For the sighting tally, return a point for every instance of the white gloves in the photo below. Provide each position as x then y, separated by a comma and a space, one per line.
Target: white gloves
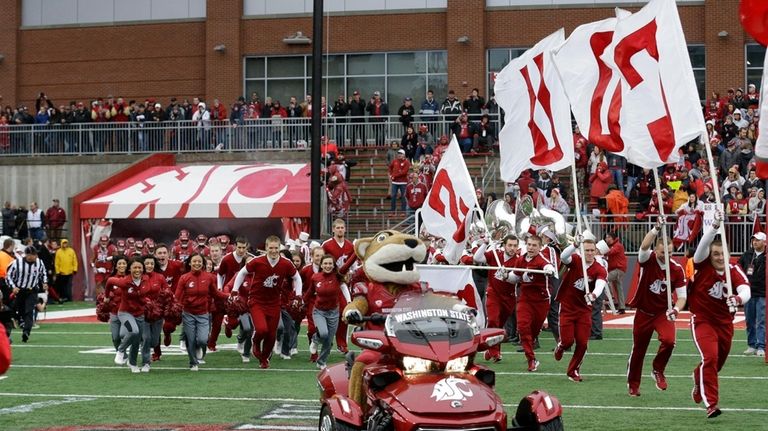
590, 298
734, 301
672, 314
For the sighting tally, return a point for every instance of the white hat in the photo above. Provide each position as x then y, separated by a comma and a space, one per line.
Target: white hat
588, 235
759, 236
602, 247
314, 244
303, 236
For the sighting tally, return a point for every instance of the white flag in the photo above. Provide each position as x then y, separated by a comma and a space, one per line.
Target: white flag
761, 146
456, 280
660, 107
537, 131
449, 203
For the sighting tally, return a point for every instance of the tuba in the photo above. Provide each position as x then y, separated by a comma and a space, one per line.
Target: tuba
499, 219
539, 217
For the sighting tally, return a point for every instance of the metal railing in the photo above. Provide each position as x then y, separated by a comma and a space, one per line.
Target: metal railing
193, 136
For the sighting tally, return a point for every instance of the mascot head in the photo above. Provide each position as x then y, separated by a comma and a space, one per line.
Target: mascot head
390, 256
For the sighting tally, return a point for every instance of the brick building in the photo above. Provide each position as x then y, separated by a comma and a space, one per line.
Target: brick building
84, 49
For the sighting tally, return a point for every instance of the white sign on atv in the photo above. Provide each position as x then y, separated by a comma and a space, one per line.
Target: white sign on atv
450, 389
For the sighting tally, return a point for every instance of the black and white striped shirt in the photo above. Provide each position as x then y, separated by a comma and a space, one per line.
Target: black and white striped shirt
26, 275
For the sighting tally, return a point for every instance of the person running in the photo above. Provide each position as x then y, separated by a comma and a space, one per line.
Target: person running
712, 310
112, 296
152, 328
306, 274
130, 313
652, 310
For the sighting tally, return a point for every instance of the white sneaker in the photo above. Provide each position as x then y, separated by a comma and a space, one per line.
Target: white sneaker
320, 366
145, 368
201, 362
199, 353
183, 345
134, 369
286, 357
246, 359
120, 358
276, 349
193, 368
313, 347
761, 353
240, 348
750, 351
294, 351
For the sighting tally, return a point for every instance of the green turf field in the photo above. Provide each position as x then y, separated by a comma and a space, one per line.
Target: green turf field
55, 383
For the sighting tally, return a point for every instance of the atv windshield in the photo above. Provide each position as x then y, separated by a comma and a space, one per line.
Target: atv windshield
421, 318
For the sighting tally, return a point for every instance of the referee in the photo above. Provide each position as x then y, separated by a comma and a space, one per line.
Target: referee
26, 276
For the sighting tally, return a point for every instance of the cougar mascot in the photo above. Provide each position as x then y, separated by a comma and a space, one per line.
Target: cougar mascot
388, 262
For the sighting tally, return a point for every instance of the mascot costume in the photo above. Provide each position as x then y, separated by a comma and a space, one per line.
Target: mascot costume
388, 260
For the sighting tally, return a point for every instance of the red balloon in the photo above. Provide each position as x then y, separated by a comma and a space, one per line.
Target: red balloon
754, 18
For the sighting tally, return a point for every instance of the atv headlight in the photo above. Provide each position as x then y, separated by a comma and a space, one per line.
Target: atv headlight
412, 365
457, 365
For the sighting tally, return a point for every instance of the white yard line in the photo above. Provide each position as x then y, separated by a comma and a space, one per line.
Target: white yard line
63, 314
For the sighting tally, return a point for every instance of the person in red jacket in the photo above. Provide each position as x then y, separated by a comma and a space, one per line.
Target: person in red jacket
103, 253
617, 267
230, 264
152, 328
195, 291
55, 217
131, 314
171, 270
575, 304
712, 312
112, 296
415, 193
599, 182
270, 271
398, 176
306, 274
324, 290
343, 252
5, 350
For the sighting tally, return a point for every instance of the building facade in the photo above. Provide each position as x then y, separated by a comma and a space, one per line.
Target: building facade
86, 49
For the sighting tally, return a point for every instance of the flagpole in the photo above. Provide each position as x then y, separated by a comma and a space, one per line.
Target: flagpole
721, 230
579, 231
664, 238
490, 268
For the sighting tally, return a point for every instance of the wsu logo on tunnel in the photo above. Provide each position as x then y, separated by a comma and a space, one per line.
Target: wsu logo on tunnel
450, 389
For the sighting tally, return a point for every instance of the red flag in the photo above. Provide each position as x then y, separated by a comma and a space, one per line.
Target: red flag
757, 226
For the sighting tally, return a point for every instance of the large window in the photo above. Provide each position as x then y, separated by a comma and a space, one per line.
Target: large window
396, 75
755, 58
498, 58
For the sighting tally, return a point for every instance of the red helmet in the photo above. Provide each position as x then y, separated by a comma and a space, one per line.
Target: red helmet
129, 241
120, 243
223, 239
201, 239
184, 235
213, 240
103, 238
138, 244
149, 242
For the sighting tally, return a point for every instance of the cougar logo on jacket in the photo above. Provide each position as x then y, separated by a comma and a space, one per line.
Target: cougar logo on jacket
658, 286
271, 281
451, 388
716, 291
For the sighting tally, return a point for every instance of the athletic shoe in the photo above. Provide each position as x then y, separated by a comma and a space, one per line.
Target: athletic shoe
24, 338
193, 368
661, 381
634, 392
134, 369
343, 350
286, 357
201, 362
246, 359
183, 346
155, 357
559, 352
696, 393
264, 363
313, 347
750, 351
167, 340
199, 353
240, 348
145, 368
119, 358
313, 357
533, 365
575, 377
320, 366
294, 351
276, 349
761, 353
713, 412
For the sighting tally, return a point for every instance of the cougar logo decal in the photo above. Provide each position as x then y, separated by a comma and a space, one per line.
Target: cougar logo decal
271, 281
658, 286
450, 389
716, 291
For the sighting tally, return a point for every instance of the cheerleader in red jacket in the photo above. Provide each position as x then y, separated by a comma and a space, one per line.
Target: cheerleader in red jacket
152, 328
112, 296
194, 291
131, 314
325, 288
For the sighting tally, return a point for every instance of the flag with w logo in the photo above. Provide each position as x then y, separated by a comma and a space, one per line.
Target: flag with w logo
537, 133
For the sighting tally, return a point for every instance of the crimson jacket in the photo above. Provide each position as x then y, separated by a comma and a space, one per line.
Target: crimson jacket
398, 171
132, 295
195, 290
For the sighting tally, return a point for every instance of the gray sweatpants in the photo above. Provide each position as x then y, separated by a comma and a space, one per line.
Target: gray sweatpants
326, 322
196, 328
615, 278
131, 329
286, 332
245, 333
150, 339
114, 328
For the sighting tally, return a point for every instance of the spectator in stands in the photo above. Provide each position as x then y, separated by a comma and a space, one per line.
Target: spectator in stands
427, 170
464, 131
65, 264
739, 102
599, 182
406, 112
757, 202
342, 167
474, 104
484, 135
729, 129
711, 131
451, 109
378, 111
617, 165
680, 196
617, 267
9, 219
55, 217
202, 119
734, 178
738, 119
338, 198
357, 111
753, 263
595, 158
340, 111
394, 146
35, 222
409, 142
616, 204
426, 141
634, 173
415, 193
442, 145
544, 182
398, 176
429, 110
555, 202
328, 150
751, 182
752, 96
